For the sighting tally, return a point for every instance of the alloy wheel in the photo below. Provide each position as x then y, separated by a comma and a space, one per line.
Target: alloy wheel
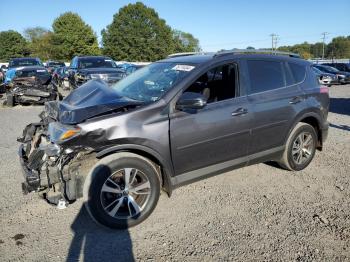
125, 193
302, 148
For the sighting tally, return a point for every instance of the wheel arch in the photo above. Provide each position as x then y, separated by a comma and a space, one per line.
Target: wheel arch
313, 119
164, 166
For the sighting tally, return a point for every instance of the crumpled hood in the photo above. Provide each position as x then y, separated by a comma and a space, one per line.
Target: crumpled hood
89, 100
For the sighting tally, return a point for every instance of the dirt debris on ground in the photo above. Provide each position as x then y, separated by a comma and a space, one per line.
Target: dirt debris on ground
258, 212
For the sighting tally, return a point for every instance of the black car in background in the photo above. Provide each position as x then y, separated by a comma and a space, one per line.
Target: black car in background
30, 85
343, 77
52, 65
340, 66
132, 68
325, 78
24, 61
60, 77
84, 68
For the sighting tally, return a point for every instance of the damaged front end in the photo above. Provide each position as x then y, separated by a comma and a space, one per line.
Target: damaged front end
56, 153
28, 90
51, 169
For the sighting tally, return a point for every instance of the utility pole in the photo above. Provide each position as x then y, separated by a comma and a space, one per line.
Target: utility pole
272, 40
276, 41
323, 40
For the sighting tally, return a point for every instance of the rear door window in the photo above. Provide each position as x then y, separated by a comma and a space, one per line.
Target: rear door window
265, 75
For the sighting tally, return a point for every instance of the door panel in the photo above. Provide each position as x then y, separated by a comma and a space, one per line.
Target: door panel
273, 113
212, 135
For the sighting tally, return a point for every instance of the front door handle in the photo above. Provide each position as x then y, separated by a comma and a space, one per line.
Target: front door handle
240, 111
295, 100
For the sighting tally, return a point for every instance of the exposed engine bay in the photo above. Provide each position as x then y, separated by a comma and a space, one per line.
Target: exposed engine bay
49, 169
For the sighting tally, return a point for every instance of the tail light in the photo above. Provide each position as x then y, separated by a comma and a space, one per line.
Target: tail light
324, 90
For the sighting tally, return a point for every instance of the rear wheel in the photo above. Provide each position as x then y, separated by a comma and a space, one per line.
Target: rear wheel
300, 148
122, 190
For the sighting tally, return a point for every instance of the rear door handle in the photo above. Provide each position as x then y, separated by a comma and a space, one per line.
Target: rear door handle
295, 100
240, 111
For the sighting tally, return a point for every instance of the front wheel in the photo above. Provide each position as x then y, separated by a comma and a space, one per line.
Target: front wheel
122, 190
300, 148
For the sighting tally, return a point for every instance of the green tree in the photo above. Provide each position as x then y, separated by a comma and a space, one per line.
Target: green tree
302, 49
316, 50
12, 44
72, 36
39, 42
185, 42
339, 47
250, 48
137, 34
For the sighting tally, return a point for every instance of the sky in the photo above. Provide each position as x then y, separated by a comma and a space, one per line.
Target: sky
218, 24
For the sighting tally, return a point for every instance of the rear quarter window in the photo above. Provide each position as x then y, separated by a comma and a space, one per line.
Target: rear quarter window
265, 75
298, 71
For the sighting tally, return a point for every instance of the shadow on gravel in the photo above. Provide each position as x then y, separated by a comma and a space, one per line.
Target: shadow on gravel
96, 243
273, 164
340, 106
342, 127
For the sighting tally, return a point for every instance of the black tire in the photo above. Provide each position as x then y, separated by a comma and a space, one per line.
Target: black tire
97, 201
291, 153
10, 100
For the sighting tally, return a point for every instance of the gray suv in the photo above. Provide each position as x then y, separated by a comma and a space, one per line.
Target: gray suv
174, 122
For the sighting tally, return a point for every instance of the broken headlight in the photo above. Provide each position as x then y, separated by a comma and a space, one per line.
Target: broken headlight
59, 133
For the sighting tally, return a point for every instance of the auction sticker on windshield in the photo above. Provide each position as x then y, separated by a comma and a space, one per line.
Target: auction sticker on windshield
186, 68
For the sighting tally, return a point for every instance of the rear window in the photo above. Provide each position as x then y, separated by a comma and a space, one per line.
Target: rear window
298, 72
265, 75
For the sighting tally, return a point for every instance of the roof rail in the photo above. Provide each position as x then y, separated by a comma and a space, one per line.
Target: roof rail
187, 54
256, 51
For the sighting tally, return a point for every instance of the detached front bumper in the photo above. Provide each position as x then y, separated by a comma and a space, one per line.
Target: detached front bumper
31, 179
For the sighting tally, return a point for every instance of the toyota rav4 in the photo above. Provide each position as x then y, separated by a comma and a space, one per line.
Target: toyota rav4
174, 122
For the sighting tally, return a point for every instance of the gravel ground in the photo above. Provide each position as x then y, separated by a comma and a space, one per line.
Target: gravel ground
256, 213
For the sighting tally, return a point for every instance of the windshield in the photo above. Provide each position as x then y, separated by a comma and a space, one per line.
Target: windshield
329, 69
316, 70
24, 62
56, 64
152, 82
96, 62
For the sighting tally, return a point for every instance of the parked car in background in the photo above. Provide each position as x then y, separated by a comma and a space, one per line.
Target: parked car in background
343, 77
340, 66
85, 68
132, 68
174, 122
30, 85
10, 74
325, 78
3, 68
51, 65
25, 61
60, 77
2, 75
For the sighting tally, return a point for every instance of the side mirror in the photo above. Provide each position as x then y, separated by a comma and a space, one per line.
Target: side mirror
190, 100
